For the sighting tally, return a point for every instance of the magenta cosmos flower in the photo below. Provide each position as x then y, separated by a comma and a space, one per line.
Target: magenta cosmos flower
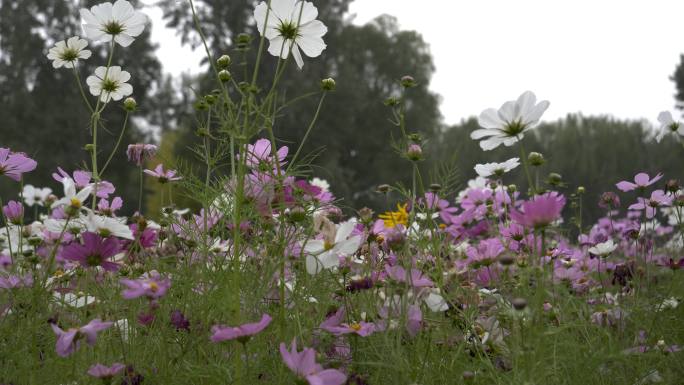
150, 285
335, 325
641, 180
242, 332
163, 176
95, 251
13, 164
69, 341
304, 365
540, 211
14, 212
105, 372
658, 198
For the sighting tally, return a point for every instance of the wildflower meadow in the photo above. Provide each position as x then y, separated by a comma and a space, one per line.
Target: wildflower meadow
247, 269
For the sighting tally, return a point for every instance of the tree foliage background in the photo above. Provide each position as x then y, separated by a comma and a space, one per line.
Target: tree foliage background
42, 113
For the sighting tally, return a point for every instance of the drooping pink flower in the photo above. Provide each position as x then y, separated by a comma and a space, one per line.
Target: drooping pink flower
69, 341
259, 155
658, 198
14, 212
150, 285
415, 279
540, 211
304, 365
242, 332
334, 325
109, 209
641, 180
105, 372
13, 164
139, 153
95, 251
163, 176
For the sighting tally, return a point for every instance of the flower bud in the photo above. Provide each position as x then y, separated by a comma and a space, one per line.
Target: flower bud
243, 41
512, 188
328, 84
130, 104
224, 61
468, 376
383, 188
414, 152
89, 147
506, 259
297, 214
554, 179
225, 76
581, 190
536, 159
408, 82
366, 215
201, 105
435, 187
519, 303
672, 185
415, 138
210, 99
392, 101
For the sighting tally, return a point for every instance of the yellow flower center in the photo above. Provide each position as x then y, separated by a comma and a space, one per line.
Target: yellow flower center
328, 246
76, 203
393, 218
355, 326
154, 287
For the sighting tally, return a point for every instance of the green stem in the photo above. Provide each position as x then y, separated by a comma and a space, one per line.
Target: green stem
118, 142
308, 130
523, 160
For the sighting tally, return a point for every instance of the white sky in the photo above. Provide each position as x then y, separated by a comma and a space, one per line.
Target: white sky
594, 56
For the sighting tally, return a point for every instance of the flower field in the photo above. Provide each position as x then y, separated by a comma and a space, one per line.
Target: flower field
266, 277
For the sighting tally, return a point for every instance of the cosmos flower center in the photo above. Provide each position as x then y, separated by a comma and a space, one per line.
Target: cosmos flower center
288, 30
69, 54
94, 260
110, 85
328, 246
104, 232
355, 326
76, 203
674, 126
154, 287
113, 28
514, 128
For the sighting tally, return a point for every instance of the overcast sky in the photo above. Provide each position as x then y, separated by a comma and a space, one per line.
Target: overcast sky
591, 56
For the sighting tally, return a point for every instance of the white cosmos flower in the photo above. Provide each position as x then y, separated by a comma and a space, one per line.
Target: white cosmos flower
35, 196
71, 197
74, 300
119, 21
321, 184
66, 53
110, 84
107, 226
603, 248
496, 169
324, 253
668, 125
291, 23
507, 124
434, 300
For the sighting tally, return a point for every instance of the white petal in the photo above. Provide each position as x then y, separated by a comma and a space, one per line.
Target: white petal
312, 46
297, 56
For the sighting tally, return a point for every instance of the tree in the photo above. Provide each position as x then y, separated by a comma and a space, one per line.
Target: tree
43, 112
678, 79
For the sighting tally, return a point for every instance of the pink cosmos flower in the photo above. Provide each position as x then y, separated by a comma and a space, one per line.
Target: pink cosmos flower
658, 198
109, 209
485, 253
242, 332
82, 179
69, 341
15, 281
259, 155
335, 325
13, 164
416, 278
163, 176
540, 211
14, 212
640, 180
105, 372
150, 285
139, 153
304, 365
95, 251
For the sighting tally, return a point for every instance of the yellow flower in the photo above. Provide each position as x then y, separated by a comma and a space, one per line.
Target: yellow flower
393, 218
